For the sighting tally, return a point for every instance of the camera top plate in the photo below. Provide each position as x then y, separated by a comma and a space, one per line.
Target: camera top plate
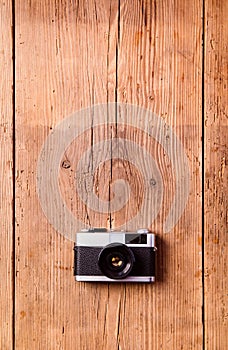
103, 237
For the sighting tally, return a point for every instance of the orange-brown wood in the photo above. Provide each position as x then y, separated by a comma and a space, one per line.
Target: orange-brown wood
71, 59
216, 131
6, 179
159, 67
73, 55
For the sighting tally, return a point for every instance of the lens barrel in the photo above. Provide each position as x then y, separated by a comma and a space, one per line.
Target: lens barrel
116, 260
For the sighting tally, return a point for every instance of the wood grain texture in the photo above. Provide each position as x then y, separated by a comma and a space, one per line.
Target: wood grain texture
6, 179
216, 132
71, 55
70, 49
159, 67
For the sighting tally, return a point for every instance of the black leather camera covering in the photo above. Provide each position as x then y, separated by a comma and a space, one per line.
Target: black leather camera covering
86, 261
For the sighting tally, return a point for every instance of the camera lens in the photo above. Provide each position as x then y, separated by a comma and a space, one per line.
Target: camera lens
116, 260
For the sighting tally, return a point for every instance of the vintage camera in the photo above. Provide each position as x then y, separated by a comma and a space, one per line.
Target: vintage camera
111, 256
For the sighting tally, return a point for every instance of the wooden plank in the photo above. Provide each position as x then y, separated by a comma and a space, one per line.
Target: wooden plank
68, 59
6, 179
215, 277
159, 67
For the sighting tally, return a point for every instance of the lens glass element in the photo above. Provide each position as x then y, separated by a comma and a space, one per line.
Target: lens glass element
116, 260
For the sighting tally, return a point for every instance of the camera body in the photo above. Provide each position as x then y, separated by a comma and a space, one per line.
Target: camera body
112, 256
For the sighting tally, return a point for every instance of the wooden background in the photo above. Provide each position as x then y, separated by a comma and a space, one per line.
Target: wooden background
57, 57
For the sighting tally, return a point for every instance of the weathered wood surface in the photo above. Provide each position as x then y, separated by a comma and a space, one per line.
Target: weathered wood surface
216, 132
6, 179
159, 67
73, 55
